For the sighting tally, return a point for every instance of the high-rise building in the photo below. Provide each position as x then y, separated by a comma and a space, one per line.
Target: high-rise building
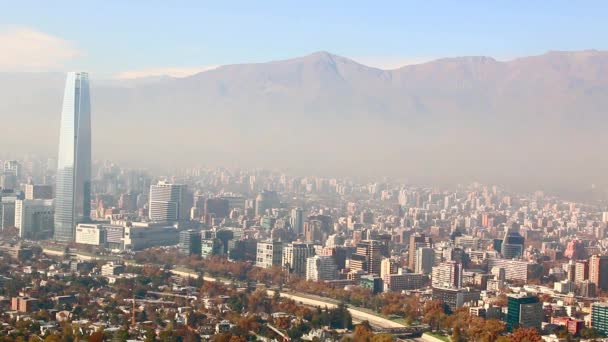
599, 317
425, 259
387, 266
9, 177
73, 191
297, 220
190, 242
216, 207
598, 271
269, 254
512, 245
524, 311
168, 202
417, 241
447, 275
321, 268
7, 210
266, 200
581, 271
295, 255
368, 256
34, 218
34, 191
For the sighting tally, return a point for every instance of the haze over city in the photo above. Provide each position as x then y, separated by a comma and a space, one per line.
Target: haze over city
275, 171
515, 97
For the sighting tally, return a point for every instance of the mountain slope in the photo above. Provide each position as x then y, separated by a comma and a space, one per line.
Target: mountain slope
455, 117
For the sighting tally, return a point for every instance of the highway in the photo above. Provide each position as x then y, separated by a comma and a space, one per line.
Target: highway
358, 315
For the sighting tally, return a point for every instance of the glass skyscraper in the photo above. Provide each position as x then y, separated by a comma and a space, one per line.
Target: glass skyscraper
73, 193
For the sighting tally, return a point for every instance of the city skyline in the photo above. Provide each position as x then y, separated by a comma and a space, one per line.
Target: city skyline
334, 172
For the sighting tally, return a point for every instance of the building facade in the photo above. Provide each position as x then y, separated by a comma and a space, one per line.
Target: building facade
73, 190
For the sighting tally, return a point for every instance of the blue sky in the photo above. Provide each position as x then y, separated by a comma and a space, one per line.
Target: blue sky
118, 37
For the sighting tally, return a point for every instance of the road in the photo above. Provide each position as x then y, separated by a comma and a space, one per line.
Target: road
358, 315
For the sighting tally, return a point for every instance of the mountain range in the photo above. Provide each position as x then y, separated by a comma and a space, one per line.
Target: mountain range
537, 120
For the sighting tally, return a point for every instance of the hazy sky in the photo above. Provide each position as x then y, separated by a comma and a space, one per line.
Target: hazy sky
139, 38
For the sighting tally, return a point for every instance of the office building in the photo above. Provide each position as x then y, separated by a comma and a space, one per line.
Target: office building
368, 256
7, 210
581, 271
217, 207
243, 250
210, 246
34, 191
512, 245
295, 255
599, 317
111, 269
447, 275
168, 202
598, 271
524, 311
425, 259
73, 190
34, 218
586, 289
455, 297
90, 234
297, 221
269, 254
265, 201
515, 270
140, 235
9, 177
190, 242
387, 266
24, 304
417, 241
404, 281
321, 268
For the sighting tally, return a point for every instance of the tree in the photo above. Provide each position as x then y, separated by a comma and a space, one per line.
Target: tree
525, 335
433, 314
363, 332
382, 338
590, 333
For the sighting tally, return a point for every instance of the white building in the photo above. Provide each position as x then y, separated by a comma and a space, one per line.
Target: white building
295, 255
34, 218
269, 254
447, 275
321, 268
111, 269
139, 235
90, 234
168, 202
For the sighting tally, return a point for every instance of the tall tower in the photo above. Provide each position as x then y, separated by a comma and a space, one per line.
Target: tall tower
73, 193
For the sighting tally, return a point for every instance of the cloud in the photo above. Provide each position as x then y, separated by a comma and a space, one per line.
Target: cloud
25, 49
167, 71
391, 62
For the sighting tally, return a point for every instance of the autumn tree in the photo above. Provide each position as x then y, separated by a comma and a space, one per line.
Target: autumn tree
525, 335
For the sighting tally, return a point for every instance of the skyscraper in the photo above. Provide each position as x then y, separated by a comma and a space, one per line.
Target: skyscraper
73, 193
297, 220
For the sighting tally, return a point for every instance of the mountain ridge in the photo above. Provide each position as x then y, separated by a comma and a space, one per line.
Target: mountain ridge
471, 115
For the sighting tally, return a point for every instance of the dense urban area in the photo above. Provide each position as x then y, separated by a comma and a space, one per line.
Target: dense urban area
235, 255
